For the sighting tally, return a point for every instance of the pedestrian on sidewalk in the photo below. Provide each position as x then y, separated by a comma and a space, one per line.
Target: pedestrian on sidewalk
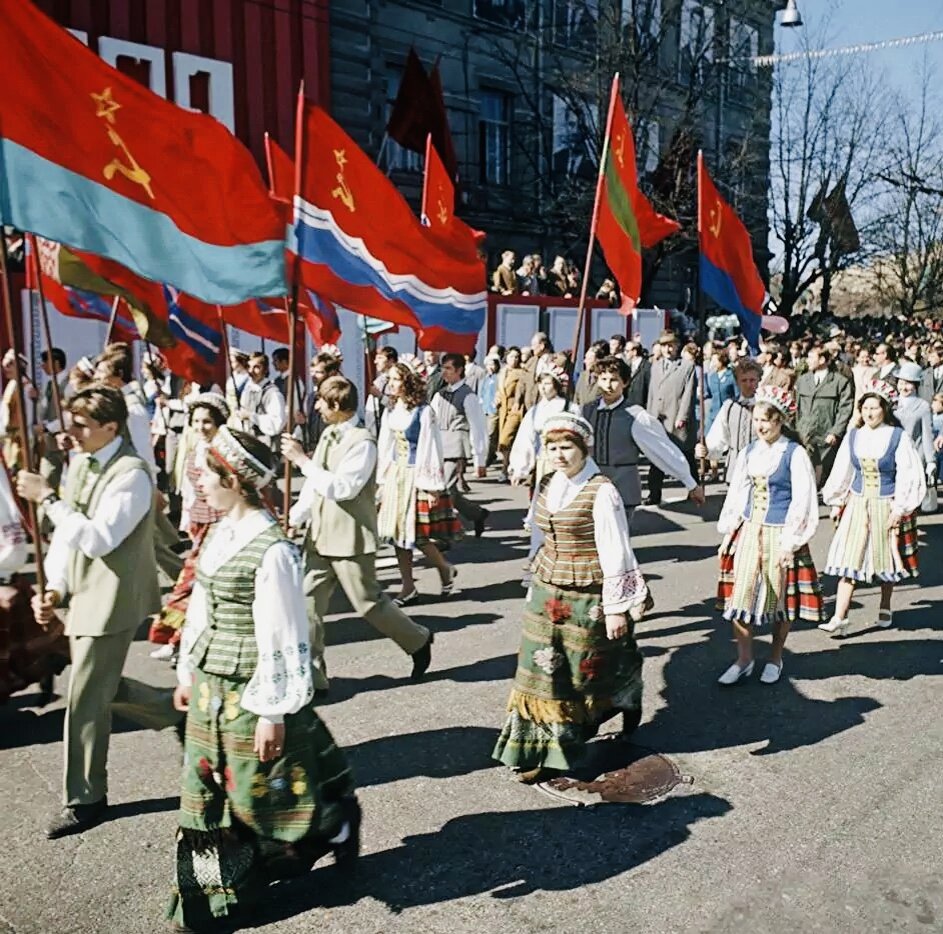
875, 489
578, 663
768, 519
266, 791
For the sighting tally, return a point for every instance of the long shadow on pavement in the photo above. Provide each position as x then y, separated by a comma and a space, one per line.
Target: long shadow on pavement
500, 668
506, 854
433, 754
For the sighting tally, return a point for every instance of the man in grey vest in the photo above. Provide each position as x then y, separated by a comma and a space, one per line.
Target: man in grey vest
338, 501
102, 560
732, 430
623, 432
464, 431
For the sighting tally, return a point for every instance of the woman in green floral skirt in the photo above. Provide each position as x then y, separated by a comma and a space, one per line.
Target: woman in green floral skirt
266, 792
578, 664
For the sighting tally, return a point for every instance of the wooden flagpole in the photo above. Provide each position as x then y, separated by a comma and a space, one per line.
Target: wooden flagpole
21, 415
47, 333
584, 285
227, 369
292, 305
701, 322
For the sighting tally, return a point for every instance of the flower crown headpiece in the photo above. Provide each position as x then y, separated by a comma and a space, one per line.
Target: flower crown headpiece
569, 421
559, 374
412, 363
332, 350
780, 399
878, 387
209, 400
238, 461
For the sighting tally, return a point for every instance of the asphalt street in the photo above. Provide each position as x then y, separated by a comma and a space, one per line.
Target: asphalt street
814, 805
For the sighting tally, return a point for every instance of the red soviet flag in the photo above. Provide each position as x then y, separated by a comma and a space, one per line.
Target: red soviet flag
438, 209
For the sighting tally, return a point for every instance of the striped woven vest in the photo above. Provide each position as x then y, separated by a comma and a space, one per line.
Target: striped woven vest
568, 556
227, 646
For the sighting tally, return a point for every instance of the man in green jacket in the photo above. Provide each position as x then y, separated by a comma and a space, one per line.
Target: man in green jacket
101, 564
826, 402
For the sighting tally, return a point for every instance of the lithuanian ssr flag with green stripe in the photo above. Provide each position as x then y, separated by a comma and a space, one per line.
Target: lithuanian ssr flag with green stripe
627, 221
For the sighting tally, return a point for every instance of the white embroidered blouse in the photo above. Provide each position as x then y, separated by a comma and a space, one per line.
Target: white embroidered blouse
429, 466
802, 516
282, 683
910, 487
623, 584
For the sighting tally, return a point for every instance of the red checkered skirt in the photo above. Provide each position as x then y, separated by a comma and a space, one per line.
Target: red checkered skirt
436, 518
803, 601
907, 544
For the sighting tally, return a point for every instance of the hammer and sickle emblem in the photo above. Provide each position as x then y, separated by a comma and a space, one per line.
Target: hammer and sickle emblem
443, 212
619, 150
343, 191
106, 108
714, 219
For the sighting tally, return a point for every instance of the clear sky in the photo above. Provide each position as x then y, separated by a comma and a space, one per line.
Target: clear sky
851, 22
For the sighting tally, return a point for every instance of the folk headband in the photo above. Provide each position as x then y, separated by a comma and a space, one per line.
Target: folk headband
226, 450
209, 400
881, 389
778, 398
571, 423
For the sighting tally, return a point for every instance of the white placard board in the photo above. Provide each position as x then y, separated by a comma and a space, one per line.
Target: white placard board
516, 324
605, 323
648, 323
561, 326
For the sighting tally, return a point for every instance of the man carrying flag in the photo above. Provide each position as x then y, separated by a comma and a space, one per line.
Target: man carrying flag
727, 271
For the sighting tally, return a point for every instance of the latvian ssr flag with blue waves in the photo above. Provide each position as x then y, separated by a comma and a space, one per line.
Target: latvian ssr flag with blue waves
92, 159
727, 271
363, 248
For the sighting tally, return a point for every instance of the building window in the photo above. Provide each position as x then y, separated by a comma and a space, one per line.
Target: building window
645, 15
572, 158
395, 157
575, 22
494, 138
695, 42
744, 46
510, 13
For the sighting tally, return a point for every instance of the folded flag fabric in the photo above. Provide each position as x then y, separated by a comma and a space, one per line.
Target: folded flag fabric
362, 247
92, 159
728, 273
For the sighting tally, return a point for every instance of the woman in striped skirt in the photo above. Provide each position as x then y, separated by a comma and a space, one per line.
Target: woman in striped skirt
415, 509
266, 792
578, 663
768, 518
875, 490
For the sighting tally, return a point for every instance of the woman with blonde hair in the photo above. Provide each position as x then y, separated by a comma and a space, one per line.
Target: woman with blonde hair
416, 511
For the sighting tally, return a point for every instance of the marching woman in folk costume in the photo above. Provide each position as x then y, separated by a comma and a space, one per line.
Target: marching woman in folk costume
874, 489
768, 518
266, 792
527, 454
208, 413
578, 663
416, 511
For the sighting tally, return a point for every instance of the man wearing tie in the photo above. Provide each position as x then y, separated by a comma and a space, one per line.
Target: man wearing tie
102, 559
338, 501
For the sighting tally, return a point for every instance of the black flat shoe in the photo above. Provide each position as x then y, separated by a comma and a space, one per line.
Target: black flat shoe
76, 818
422, 659
347, 853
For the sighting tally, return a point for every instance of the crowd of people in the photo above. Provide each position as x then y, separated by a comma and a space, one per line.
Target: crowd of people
561, 280
138, 477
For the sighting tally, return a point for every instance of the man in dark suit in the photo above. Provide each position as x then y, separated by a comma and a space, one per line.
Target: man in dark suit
430, 360
323, 365
586, 389
826, 402
640, 370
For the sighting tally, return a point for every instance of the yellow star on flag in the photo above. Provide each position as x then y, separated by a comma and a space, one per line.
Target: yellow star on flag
107, 105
